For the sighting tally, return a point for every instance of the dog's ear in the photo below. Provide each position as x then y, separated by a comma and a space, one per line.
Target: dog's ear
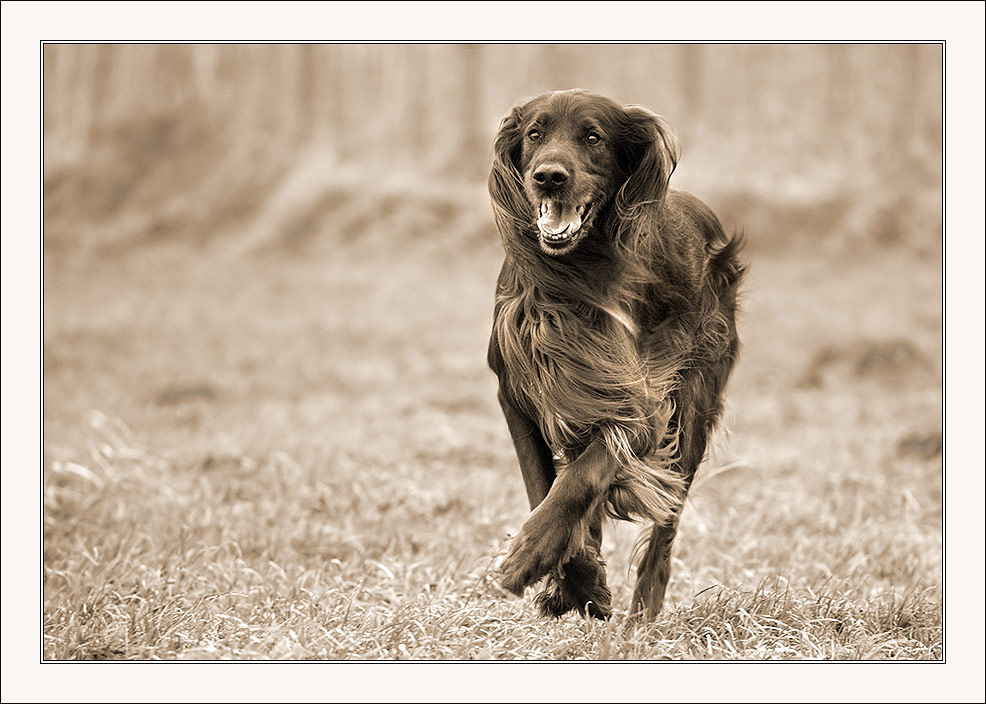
648, 154
506, 184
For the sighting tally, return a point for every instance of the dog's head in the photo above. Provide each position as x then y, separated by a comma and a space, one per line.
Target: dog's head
568, 161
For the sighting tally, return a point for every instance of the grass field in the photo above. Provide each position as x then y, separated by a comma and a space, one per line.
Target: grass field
295, 452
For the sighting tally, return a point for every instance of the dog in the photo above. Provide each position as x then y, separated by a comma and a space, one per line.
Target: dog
613, 338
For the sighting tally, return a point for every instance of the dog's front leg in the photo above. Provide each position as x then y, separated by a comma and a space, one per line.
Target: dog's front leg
558, 528
533, 453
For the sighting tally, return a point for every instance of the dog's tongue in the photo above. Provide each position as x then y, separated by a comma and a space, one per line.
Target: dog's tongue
555, 217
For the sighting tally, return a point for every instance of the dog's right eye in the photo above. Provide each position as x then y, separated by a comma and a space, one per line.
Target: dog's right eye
534, 135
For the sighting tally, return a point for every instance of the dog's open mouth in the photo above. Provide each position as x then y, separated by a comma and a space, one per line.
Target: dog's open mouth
560, 223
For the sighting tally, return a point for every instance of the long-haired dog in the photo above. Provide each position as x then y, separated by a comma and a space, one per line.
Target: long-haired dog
613, 337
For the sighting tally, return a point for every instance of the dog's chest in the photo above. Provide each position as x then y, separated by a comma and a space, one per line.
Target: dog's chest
571, 367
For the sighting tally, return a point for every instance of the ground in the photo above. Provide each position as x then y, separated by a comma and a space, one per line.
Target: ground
294, 451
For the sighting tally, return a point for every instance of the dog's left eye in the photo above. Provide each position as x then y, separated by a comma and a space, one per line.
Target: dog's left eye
593, 138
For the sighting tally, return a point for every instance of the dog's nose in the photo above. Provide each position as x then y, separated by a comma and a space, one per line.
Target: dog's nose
551, 174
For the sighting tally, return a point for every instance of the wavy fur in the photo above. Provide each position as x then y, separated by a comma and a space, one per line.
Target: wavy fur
627, 339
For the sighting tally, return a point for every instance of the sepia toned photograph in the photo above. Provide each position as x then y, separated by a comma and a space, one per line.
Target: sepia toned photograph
491, 351
286, 285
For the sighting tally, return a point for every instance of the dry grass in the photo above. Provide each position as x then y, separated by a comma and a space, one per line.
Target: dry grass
295, 453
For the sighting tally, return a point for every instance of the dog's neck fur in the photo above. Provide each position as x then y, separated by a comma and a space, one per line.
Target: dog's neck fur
590, 269
590, 345
569, 359
565, 331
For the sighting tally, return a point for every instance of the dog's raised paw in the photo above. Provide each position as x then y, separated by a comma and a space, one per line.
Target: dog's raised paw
528, 560
517, 572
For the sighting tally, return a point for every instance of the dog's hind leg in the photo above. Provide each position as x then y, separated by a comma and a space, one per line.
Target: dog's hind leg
561, 527
654, 568
654, 571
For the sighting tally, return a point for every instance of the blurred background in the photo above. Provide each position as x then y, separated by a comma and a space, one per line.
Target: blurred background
146, 142
268, 285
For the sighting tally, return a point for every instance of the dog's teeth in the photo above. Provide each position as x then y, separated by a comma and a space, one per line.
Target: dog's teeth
580, 210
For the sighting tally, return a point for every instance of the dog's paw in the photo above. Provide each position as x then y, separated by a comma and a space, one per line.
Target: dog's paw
584, 584
532, 554
522, 568
551, 602
580, 585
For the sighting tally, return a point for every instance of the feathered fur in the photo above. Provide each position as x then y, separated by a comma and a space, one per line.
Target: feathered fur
626, 339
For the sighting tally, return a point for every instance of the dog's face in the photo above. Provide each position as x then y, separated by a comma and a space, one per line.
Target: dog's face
568, 163
563, 158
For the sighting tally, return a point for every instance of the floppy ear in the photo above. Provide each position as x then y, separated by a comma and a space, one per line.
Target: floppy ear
506, 185
648, 156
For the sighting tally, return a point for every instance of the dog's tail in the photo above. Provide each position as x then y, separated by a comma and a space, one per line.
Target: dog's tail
726, 269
